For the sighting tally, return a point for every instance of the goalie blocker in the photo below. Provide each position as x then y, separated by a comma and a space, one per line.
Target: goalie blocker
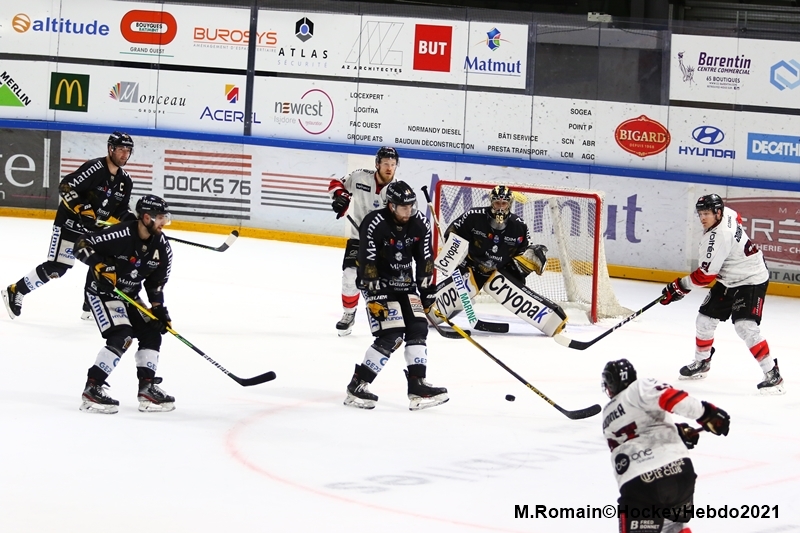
543, 314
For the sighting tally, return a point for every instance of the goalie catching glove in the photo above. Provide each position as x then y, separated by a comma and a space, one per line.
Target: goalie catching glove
673, 292
533, 259
105, 276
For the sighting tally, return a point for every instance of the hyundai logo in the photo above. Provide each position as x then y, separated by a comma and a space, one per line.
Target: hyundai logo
708, 135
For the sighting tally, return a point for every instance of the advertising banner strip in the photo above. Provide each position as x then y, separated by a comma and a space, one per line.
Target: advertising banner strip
292, 190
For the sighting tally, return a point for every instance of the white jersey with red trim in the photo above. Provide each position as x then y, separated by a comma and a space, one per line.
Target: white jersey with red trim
640, 431
367, 196
727, 254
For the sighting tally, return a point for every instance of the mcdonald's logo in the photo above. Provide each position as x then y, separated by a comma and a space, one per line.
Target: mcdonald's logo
69, 92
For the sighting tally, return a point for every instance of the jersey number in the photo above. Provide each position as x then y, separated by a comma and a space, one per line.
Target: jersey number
629, 432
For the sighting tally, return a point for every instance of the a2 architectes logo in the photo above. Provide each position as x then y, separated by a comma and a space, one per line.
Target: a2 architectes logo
22, 23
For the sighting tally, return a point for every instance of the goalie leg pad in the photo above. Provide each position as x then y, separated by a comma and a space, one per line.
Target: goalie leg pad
447, 299
541, 313
453, 252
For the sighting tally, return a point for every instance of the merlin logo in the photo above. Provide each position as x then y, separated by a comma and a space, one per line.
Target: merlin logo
69, 92
304, 29
11, 94
374, 47
785, 74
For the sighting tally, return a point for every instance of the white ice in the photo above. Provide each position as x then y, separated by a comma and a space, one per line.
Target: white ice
287, 456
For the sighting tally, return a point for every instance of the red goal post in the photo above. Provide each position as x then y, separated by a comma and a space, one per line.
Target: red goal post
569, 221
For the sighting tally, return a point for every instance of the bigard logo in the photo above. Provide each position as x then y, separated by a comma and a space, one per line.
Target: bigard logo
642, 136
11, 94
69, 92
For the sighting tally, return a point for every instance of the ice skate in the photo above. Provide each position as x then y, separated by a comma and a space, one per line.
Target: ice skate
697, 369
13, 301
87, 312
95, 399
358, 394
152, 399
422, 395
345, 325
773, 382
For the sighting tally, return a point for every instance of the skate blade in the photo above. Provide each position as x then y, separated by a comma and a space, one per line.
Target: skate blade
418, 403
146, 406
701, 375
345, 332
777, 390
86, 315
100, 408
352, 401
8, 306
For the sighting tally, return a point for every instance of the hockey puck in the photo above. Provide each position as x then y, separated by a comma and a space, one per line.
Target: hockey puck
510, 397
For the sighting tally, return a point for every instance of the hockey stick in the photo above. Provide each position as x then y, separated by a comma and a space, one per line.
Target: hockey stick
224, 246
244, 382
582, 345
461, 287
572, 415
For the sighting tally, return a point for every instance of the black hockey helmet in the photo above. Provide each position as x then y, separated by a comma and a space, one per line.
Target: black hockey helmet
152, 205
500, 216
710, 202
119, 138
386, 152
617, 375
400, 193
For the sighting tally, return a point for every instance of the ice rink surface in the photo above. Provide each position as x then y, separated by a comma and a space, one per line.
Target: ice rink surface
287, 456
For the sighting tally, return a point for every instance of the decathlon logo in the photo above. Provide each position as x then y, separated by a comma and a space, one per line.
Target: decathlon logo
708, 135
785, 74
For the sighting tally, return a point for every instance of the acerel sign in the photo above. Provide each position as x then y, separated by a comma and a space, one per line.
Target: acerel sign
642, 136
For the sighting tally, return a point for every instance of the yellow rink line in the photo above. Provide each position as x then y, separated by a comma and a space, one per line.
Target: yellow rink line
615, 271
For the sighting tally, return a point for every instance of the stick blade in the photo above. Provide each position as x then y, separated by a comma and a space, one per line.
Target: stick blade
571, 343
580, 413
229, 241
249, 382
491, 327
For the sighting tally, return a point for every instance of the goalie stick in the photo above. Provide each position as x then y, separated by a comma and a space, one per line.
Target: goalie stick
474, 321
572, 415
244, 382
221, 248
582, 345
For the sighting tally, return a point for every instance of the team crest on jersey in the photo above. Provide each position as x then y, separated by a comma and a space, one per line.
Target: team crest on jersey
376, 204
494, 249
134, 274
496, 239
398, 256
399, 245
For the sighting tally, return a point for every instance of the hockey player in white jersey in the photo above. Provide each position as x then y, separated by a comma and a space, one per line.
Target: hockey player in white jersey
649, 451
358, 194
730, 258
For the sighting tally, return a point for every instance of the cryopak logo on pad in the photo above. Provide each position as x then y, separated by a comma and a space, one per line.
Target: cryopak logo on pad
432, 47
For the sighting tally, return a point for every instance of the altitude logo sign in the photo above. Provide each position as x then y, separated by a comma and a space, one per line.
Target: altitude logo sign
11, 93
432, 47
23, 23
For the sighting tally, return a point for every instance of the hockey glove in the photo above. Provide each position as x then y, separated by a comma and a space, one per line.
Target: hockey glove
714, 419
689, 435
105, 277
428, 300
534, 259
341, 201
164, 321
373, 286
376, 305
673, 292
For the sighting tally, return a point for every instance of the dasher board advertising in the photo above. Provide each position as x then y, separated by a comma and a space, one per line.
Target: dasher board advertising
735, 71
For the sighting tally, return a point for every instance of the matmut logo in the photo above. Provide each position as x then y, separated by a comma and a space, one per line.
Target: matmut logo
432, 47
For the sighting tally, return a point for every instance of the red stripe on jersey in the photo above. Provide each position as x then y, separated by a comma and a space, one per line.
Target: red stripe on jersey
701, 279
670, 398
349, 302
623, 524
704, 345
335, 185
760, 350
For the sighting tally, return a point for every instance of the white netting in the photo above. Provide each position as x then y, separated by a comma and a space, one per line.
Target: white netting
570, 222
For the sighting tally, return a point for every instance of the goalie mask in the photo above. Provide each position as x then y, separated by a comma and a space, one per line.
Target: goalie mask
501, 198
617, 376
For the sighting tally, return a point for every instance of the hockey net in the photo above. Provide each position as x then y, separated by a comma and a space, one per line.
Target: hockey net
569, 221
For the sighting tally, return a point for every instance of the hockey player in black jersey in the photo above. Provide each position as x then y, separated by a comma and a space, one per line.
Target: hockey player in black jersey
392, 240
99, 190
125, 256
491, 248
